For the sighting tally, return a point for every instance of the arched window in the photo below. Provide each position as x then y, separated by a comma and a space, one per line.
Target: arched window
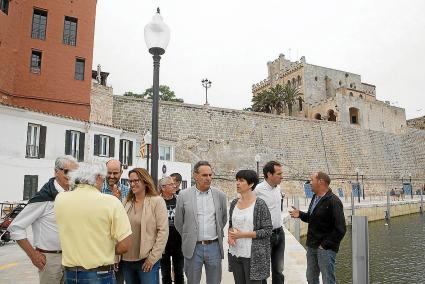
318, 116
299, 80
289, 82
294, 82
351, 94
300, 104
331, 115
354, 115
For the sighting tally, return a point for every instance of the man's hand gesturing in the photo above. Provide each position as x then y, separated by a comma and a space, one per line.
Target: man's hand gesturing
295, 213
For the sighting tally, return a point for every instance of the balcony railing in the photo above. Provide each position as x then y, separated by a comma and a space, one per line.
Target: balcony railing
32, 151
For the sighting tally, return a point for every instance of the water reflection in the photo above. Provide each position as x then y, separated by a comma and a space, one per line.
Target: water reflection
397, 251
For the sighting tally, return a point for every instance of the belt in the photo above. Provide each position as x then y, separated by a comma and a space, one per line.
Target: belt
48, 251
109, 267
207, 242
277, 230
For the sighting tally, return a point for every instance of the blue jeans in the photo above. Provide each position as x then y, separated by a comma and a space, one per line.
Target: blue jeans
208, 255
320, 261
89, 277
133, 273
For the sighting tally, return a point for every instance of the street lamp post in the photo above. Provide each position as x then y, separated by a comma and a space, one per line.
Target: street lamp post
207, 84
157, 36
148, 141
358, 185
257, 161
411, 186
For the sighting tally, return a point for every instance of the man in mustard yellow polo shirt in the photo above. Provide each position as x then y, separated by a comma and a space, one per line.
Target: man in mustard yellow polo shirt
93, 227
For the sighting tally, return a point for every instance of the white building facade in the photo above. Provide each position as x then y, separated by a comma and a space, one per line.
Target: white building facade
31, 142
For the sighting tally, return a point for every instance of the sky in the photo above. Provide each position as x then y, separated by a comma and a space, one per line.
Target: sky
229, 42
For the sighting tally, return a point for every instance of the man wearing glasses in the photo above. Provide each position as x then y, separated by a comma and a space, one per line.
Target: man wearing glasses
45, 253
112, 184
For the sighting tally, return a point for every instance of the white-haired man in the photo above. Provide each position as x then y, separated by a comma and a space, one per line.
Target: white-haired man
93, 227
46, 254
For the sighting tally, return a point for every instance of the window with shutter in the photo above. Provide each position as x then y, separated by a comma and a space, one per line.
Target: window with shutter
125, 152
33, 140
30, 186
81, 145
103, 146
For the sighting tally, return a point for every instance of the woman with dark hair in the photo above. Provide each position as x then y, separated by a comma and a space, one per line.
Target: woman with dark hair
149, 222
250, 228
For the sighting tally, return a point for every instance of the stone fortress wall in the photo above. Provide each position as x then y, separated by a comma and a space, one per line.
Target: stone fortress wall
230, 139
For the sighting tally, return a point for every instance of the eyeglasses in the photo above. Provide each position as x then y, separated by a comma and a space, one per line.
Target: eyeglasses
130, 181
65, 171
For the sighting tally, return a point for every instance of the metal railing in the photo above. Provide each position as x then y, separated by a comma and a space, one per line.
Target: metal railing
32, 151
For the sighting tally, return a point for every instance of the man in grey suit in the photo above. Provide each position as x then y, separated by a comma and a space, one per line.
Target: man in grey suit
201, 214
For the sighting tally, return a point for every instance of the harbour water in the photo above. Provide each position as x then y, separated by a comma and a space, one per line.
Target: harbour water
397, 251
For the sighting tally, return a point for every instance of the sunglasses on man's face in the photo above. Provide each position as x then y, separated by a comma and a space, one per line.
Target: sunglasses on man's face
65, 171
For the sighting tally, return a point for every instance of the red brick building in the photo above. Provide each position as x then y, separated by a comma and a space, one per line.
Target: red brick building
46, 53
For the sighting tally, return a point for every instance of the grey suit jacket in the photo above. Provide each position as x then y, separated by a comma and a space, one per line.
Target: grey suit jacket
186, 221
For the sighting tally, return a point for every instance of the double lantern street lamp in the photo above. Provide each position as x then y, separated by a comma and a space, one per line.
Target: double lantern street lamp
157, 36
206, 84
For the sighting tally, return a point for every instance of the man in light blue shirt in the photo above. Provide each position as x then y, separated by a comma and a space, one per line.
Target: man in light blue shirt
112, 184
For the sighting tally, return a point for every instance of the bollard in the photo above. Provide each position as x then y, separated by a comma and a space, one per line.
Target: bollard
421, 209
352, 205
360, 244
297, 220
387, 212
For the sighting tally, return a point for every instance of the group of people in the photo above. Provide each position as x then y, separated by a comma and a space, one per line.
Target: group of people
89, 227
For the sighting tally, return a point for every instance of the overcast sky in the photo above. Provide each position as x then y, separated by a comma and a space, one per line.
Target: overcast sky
230, 42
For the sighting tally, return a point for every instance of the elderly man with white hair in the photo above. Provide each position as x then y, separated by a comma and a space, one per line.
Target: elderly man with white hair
93, 227
45, 252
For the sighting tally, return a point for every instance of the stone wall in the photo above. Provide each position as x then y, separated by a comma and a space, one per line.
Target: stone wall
230, 139
418, 123
373, 115
101, 104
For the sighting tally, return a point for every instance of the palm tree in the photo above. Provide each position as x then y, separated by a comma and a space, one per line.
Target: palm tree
262, 102
290, 97
278, 96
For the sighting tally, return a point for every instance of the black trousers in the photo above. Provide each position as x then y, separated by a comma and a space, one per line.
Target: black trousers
177, 257
277, 243
240, 268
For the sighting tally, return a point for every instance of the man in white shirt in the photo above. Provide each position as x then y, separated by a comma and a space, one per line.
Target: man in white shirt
46, 254
269, 190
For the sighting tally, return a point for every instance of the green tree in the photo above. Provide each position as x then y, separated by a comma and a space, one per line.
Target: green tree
275, 99
269, 101
263, 102
131, 94
291, 94
165, 94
